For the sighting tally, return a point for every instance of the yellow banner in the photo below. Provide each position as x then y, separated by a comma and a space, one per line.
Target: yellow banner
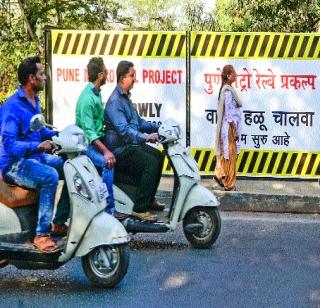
293, 46
119, 43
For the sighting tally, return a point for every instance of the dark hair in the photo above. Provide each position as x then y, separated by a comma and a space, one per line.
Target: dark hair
94, 67
123, 69
28, 67
227, 70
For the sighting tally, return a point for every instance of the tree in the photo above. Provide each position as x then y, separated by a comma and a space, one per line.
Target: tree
13, 46
268, 15
22, 24
152, 14
197, 18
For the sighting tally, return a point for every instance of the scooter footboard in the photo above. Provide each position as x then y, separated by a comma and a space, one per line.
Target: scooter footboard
199, 196
123, 202
103, 230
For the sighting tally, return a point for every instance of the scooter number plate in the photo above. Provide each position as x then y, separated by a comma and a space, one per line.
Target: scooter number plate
102, 192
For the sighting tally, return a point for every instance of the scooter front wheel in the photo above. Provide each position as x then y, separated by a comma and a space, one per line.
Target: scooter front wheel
105, 266
201, 226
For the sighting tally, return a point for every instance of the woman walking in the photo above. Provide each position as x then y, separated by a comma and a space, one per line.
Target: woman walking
227, 143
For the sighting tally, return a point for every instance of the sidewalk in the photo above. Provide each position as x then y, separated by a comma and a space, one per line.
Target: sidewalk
259, 195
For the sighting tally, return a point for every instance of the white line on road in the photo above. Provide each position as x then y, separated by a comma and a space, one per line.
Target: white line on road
274, 217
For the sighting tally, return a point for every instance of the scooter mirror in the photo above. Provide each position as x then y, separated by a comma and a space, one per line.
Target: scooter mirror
37, 122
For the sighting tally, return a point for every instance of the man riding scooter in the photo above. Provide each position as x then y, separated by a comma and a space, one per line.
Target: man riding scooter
23, 156
126, 136
89, 117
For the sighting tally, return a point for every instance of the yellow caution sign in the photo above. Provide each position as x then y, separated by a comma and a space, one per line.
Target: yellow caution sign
119, 43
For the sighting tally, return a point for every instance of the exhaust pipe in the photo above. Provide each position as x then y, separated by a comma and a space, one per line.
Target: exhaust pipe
136, 226
193, 228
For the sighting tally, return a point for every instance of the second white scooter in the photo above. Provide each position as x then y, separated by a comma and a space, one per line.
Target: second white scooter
191, 203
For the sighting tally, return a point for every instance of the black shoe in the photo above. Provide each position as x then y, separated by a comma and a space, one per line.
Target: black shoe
3, 263
156, 206
120, 216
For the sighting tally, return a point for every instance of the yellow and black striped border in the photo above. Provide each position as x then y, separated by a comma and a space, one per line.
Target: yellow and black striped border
302, 46
261, 163
296, 46
119, 43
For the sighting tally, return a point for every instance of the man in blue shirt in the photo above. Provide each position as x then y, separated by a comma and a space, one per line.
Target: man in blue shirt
126, 136
23, 158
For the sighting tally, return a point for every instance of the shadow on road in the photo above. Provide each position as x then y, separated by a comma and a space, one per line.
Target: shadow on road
157, 245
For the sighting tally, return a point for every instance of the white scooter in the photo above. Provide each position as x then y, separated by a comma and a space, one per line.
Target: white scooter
191, 203
95, 236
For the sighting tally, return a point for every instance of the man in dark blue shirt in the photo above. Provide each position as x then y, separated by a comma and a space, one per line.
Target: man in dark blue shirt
23, 158
126, 136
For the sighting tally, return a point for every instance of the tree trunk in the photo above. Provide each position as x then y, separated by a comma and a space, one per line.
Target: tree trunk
28, 26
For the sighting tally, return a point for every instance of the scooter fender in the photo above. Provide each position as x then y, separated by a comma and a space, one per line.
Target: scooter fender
199, 196
104, 229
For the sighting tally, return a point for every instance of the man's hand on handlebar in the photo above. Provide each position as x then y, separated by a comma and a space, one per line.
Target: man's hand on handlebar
153, 138
47, 146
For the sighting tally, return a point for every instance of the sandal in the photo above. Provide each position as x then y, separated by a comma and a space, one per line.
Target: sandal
230, 189
146, 216
59, 230
218, 181
45, 244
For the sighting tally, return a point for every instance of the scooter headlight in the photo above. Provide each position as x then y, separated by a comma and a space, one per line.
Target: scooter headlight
71, 140
80, 187
170, 131
177, 131
80, 141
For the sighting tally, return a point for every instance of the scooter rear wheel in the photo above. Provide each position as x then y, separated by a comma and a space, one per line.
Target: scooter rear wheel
206, 225
105, 266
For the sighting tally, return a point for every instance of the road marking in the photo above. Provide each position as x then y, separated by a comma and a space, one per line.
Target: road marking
275, 217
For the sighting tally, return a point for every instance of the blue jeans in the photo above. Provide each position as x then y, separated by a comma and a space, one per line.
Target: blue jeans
107, 174
42, 175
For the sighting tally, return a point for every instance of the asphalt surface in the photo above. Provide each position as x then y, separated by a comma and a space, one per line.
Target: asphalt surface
259, 260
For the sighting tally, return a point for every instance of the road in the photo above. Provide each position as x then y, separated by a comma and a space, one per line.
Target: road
259, 260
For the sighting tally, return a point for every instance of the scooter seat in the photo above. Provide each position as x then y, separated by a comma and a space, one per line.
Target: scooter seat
14, 196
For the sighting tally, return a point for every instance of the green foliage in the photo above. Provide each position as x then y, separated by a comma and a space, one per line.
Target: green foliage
268, 15
197, 17
13, 47
151, 14
22, 26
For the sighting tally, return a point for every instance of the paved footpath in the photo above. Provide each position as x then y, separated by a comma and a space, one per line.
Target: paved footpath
260, 195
